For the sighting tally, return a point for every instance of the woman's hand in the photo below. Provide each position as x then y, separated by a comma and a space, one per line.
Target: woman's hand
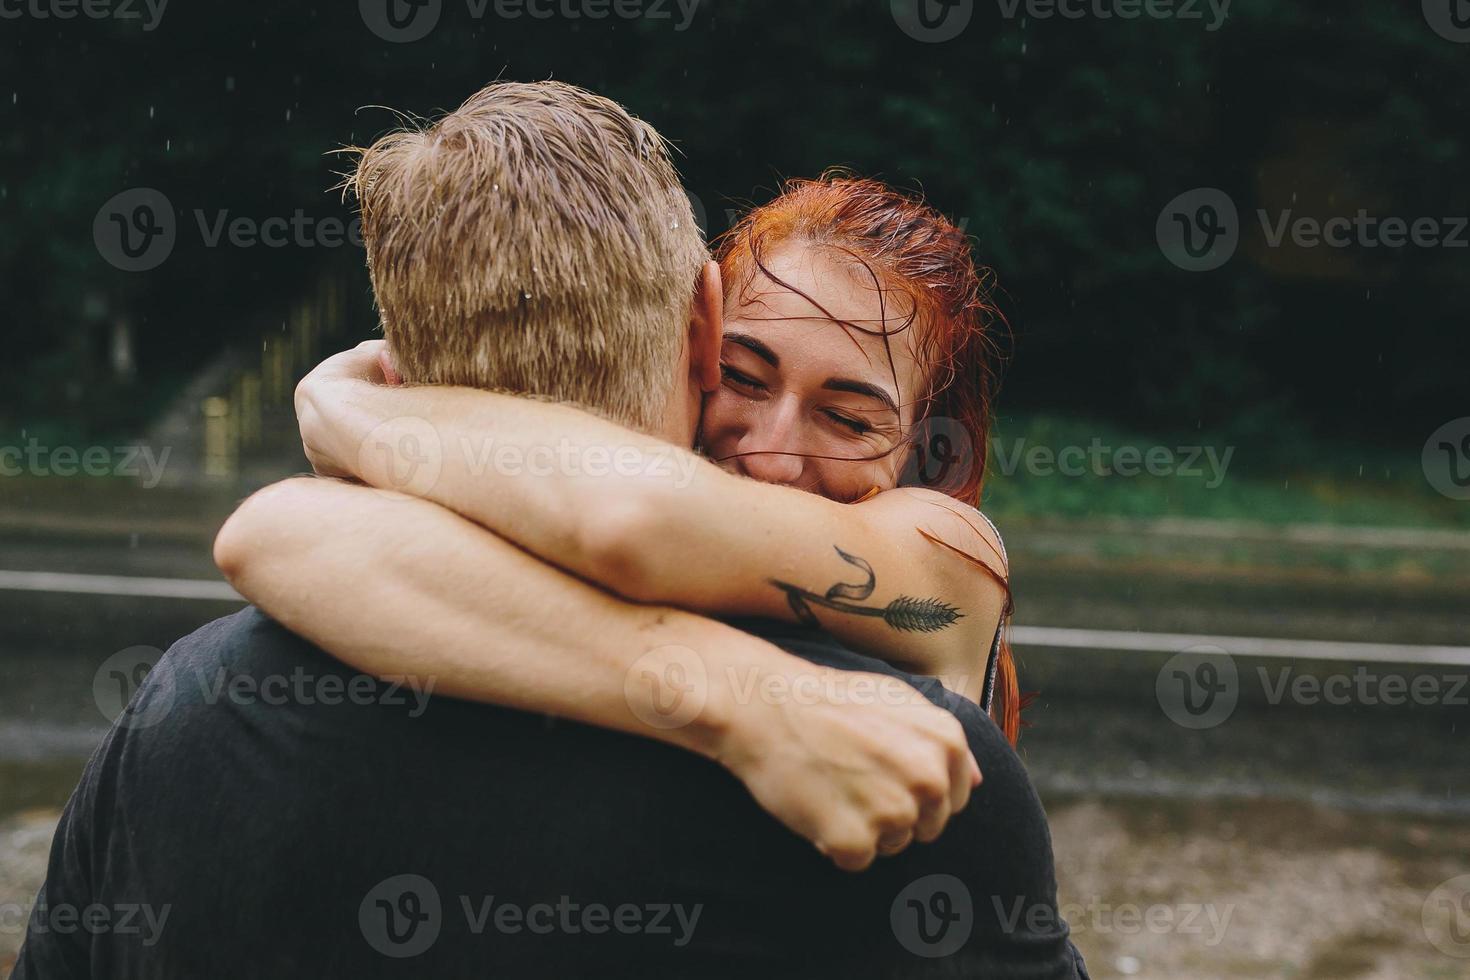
327, 446
859, 764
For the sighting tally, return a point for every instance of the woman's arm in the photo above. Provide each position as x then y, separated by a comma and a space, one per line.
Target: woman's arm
657, 523
394, 585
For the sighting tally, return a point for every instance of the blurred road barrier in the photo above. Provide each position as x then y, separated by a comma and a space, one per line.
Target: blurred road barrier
1241, 646
116, 585
1021, 636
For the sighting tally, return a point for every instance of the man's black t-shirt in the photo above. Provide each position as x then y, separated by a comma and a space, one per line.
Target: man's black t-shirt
263, 811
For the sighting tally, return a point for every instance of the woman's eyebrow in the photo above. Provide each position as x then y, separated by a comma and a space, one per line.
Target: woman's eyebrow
755, 347
862, 388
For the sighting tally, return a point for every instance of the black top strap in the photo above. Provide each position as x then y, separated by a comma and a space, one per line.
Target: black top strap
992, 665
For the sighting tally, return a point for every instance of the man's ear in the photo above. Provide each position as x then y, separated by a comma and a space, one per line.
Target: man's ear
707, 328
390, 372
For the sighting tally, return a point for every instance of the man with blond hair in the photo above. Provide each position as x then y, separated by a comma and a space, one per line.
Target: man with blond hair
536, 240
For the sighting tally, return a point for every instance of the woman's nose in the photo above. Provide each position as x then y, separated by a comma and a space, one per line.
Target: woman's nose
769, 450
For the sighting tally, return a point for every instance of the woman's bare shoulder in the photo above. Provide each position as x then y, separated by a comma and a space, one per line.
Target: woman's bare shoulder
946, 521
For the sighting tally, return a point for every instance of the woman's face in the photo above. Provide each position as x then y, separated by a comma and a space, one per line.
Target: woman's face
807, 402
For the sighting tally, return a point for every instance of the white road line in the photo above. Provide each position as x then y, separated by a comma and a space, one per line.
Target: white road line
1040, 636
1241, 646
117, 585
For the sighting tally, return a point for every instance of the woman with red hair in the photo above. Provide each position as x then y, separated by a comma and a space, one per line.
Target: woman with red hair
933, 335
842, 453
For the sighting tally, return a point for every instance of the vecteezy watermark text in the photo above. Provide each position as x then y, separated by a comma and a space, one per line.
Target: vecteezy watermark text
937, 21
1200, 230
1184, 10
118, 680
404, 21
409, 455
1097, 459
1364, 686
1123, 918
35, 459
1199, 688
402, 916
136, 230
150, 12
124, 919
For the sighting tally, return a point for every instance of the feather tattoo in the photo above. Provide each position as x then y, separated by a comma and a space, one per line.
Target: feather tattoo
906, 613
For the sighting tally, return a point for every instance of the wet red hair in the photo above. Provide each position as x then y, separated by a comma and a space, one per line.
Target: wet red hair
910, 250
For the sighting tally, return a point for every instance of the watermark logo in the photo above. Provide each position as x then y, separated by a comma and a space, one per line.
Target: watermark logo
933, 916
701, 213
666, 688
150, 12
401, 21
404, 21
407, 452
941, 454
1199, 230
135, 230
933, 21
1446, 917
1198, 688
1450, 19
1447, 459
117, 681
401, 916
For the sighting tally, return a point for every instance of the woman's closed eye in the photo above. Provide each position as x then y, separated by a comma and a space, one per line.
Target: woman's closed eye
739, 379
855, 425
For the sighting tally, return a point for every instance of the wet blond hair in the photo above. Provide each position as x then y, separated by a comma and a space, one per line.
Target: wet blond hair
535, 240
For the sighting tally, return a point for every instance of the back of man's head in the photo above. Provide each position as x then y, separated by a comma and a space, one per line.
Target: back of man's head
535, 240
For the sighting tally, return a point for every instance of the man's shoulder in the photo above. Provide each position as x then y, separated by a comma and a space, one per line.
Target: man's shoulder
246, 647
234, 640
